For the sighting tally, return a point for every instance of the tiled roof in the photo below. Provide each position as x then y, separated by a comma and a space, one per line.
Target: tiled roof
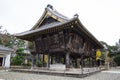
44, 27
3, 48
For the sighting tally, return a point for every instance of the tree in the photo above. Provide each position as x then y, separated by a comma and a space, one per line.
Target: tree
15, 43
19, 58
4, 36
113, 50
117, 60
10, 40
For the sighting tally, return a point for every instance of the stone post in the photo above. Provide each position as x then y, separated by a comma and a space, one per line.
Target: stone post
32, 65
106, 60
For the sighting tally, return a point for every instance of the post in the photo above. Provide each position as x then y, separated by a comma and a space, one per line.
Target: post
43, 60
48, 61
81, 63
76, 63
67, 59
32, 61
37, 50
106, 60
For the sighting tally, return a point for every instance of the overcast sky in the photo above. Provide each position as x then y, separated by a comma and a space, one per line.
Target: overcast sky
100, 17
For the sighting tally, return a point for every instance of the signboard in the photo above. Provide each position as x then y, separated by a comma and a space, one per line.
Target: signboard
98, 54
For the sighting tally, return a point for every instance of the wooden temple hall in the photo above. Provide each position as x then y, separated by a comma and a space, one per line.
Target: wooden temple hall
62, 41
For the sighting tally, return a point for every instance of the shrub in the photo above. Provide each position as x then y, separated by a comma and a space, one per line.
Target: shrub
19, 58
117, 60
26, 64
39, 63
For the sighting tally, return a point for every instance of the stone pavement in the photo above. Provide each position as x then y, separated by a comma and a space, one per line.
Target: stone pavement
112, 74
72, 72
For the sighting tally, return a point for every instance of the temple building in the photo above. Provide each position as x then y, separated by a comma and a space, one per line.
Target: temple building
60, 40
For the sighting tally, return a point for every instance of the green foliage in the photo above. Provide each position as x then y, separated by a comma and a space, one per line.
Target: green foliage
39, 63
19, 58
15, 42
102, 56
62, 60
117, 60
113, 50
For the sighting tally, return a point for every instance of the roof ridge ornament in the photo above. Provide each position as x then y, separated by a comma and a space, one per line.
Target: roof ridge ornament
76, 16
50, 6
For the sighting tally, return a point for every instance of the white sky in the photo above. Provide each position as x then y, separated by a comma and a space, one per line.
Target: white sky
100, 17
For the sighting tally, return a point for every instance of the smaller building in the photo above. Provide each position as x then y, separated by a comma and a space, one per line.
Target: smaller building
5, 54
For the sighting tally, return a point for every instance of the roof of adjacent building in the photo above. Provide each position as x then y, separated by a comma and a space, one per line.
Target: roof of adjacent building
52, 20
3, 48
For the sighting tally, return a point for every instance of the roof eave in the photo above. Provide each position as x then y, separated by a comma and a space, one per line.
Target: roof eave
89, 34
25, 35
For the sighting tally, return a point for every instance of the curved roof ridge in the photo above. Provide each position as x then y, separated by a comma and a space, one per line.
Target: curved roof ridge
50, 11
55, 12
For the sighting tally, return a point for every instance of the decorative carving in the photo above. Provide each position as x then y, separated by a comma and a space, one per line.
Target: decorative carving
75, 43
76, 15
50, 6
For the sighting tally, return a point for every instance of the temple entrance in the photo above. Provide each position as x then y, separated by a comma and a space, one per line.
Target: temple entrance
57, 59
1, 60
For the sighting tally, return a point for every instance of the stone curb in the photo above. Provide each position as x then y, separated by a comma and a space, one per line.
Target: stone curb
56, 73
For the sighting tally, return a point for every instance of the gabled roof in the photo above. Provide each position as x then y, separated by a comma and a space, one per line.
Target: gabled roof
50, 12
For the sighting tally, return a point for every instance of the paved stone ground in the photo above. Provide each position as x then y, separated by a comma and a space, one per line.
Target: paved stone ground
74, 71
112, 74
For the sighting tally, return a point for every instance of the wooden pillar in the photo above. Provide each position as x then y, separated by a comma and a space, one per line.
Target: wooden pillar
32, 62
43, 60
67, 59
33, 59
81, 61
51, 60
93, 62
76, 63
38, 57
48, 46
37, 51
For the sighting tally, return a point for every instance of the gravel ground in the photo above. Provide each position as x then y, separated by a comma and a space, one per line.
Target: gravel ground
113, 74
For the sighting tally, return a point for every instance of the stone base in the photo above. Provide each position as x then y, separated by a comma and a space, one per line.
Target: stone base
57, 67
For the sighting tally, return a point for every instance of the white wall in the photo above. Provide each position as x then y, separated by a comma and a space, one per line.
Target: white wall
7, 61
